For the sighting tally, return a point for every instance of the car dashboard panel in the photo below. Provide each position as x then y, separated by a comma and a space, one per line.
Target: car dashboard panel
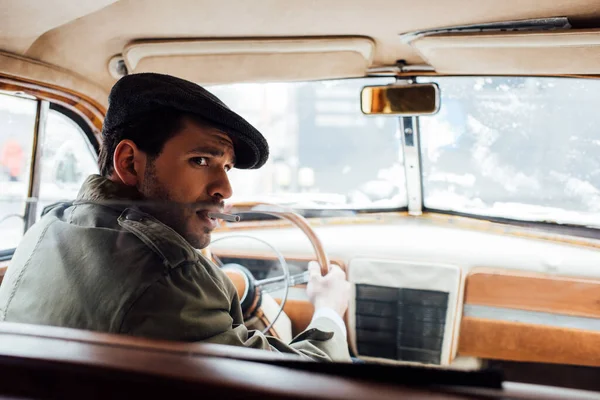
525, 316
407, 312
474, 296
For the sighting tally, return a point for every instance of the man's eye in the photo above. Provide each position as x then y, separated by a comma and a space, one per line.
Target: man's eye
201, 161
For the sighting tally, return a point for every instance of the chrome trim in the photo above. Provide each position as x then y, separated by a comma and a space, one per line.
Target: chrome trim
35, 169
409, 132
385, 70
268, 284
532, 317
534, 24
418, 68
394, 70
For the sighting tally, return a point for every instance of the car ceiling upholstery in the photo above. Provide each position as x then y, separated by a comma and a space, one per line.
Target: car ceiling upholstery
82, 35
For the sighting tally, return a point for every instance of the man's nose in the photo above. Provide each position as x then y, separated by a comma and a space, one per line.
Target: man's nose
220, 186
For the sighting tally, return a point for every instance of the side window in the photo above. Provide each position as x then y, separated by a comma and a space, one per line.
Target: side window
67, 160
17, 123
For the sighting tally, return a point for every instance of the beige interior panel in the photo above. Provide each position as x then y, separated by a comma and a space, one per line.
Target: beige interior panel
251, 68
20, 67
560, 52
137, 51
23, 21
86, 44
218, 61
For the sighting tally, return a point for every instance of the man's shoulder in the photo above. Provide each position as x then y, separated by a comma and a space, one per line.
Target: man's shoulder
69, 263
124, 230
71, 237
80, 214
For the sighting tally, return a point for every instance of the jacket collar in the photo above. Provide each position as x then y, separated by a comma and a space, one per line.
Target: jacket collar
98, 189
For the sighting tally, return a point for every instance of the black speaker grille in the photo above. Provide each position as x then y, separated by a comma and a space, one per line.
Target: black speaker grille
400, 324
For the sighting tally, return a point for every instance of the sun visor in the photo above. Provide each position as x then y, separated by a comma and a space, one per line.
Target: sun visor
224, 61
507, 53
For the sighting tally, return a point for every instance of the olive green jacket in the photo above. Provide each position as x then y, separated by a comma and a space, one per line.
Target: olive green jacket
101, 264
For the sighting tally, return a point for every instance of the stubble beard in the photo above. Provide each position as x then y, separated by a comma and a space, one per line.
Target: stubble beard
158, 203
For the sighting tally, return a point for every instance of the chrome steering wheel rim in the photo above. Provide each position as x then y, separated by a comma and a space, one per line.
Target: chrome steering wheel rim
282, 263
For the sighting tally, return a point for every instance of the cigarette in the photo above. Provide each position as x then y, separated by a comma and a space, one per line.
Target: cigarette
224, 217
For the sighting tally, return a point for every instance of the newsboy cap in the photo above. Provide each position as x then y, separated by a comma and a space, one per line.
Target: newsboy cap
138, 94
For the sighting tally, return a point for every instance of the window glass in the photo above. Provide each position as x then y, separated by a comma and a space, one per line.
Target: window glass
17, 122
522, 148
325, 153
67, 160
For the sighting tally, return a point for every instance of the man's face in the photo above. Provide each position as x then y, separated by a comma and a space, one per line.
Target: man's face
188, 179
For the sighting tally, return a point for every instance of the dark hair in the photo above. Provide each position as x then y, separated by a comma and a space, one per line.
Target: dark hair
149, 132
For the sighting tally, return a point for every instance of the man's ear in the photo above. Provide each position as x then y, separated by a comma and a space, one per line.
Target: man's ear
128, 162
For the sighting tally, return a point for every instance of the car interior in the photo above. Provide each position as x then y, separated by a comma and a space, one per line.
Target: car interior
444, 154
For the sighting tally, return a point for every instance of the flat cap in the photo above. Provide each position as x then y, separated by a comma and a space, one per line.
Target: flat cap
137, 94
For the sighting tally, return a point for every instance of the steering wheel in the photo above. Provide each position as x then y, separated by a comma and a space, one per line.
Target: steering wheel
250, 289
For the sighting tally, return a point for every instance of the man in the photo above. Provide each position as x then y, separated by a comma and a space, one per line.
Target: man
123, 257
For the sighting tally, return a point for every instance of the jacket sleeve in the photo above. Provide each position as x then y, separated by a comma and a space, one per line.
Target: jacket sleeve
321, 341
201, 304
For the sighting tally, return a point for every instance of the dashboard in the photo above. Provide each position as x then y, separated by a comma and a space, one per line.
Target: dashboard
440, 291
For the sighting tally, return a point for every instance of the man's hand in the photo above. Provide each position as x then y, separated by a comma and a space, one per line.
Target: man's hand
329, 291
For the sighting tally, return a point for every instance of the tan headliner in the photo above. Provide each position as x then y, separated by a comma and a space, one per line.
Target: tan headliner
82, 35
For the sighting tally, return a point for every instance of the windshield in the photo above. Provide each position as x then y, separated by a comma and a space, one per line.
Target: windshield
518, 148
324, 152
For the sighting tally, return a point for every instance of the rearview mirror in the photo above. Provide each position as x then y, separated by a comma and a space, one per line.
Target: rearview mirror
407, 100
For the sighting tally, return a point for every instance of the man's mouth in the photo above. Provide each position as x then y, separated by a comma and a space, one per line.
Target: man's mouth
203, 215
